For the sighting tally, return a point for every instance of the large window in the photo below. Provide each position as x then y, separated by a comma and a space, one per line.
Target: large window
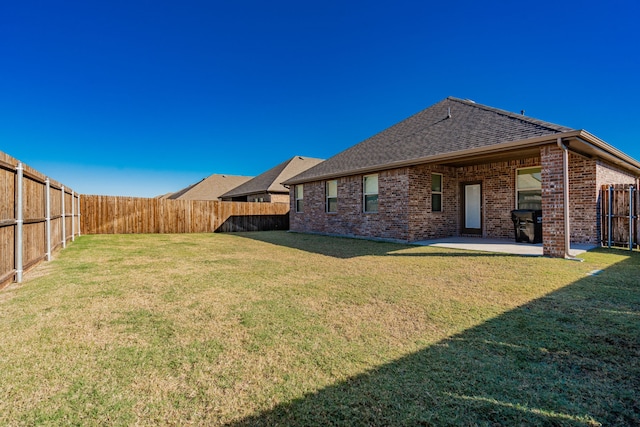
370, 190
331, 190
529, 189
299, 192
436, 192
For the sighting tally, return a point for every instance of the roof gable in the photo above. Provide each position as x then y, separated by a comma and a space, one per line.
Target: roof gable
271, 180
449, 126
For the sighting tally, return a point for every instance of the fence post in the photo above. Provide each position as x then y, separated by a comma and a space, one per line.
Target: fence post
64, 225
47, 204
73, 217
19, 222
609, 208
78, 214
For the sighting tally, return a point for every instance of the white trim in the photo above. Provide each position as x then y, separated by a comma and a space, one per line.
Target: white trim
437, 192
296, 198
327, 197
365, 194
525, 189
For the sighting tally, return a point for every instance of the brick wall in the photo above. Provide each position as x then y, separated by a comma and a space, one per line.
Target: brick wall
583, 199
390, 222
498, 193
608, 174
405, 201
552, 201
423, 222
585, 178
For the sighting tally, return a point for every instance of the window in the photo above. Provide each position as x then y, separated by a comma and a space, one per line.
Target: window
299, 192
529, 189
436, 192
331, 190
370, 190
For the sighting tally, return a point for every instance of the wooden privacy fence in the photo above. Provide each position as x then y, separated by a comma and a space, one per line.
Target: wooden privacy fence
619, 207
37, 215
126, 215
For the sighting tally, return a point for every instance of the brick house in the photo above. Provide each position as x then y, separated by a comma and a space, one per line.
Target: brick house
267, 187
459, 168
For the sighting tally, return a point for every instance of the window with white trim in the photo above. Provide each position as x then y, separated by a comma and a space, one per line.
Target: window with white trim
436, 192
529, 188
299, 195
331, 191
370, 193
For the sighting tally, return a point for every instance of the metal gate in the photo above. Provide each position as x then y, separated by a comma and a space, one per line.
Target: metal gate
619, 207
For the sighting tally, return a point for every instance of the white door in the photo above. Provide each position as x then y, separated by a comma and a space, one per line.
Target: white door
472, 208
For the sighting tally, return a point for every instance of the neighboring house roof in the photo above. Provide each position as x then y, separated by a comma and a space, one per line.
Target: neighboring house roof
163, 196
271, 180
210, 188
454, 129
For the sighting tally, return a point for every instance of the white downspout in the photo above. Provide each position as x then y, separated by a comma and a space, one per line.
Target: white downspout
565, 186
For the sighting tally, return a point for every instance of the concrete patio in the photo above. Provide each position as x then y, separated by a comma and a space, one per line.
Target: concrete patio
504, 246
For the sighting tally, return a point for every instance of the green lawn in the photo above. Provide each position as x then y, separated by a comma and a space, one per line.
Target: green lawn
276, 328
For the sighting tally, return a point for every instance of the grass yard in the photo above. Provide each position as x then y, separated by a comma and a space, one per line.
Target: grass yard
276, 328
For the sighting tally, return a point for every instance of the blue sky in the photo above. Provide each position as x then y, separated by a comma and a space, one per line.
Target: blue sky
141, 98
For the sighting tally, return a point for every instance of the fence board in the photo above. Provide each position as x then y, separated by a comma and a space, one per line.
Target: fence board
618, 228
131, 215
33, 226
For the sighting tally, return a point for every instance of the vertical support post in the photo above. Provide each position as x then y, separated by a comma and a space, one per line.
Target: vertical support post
565, 185
19, 222
566, 202
631, 217
78, 214
47, 204
64, 225
73, 217
609, 217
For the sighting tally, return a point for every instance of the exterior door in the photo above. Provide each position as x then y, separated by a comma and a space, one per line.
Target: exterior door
472, 208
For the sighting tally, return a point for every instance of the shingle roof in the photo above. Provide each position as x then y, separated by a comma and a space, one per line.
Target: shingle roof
433, 132
271, 180
210, 188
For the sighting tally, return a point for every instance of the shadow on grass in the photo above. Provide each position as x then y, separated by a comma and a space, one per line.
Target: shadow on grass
569, 358
348, 247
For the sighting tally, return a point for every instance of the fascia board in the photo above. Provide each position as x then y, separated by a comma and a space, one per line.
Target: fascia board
441, 158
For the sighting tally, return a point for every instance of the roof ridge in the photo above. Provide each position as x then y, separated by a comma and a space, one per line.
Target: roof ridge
512, 115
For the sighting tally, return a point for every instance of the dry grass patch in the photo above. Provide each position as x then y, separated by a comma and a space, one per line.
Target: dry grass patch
278, 328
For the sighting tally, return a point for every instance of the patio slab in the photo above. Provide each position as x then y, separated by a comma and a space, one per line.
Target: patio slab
504, 246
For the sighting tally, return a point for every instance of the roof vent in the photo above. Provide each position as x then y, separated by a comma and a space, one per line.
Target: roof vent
449, 113
522, 112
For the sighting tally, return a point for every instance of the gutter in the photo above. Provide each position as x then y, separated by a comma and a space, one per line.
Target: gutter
438, 158
608, 152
